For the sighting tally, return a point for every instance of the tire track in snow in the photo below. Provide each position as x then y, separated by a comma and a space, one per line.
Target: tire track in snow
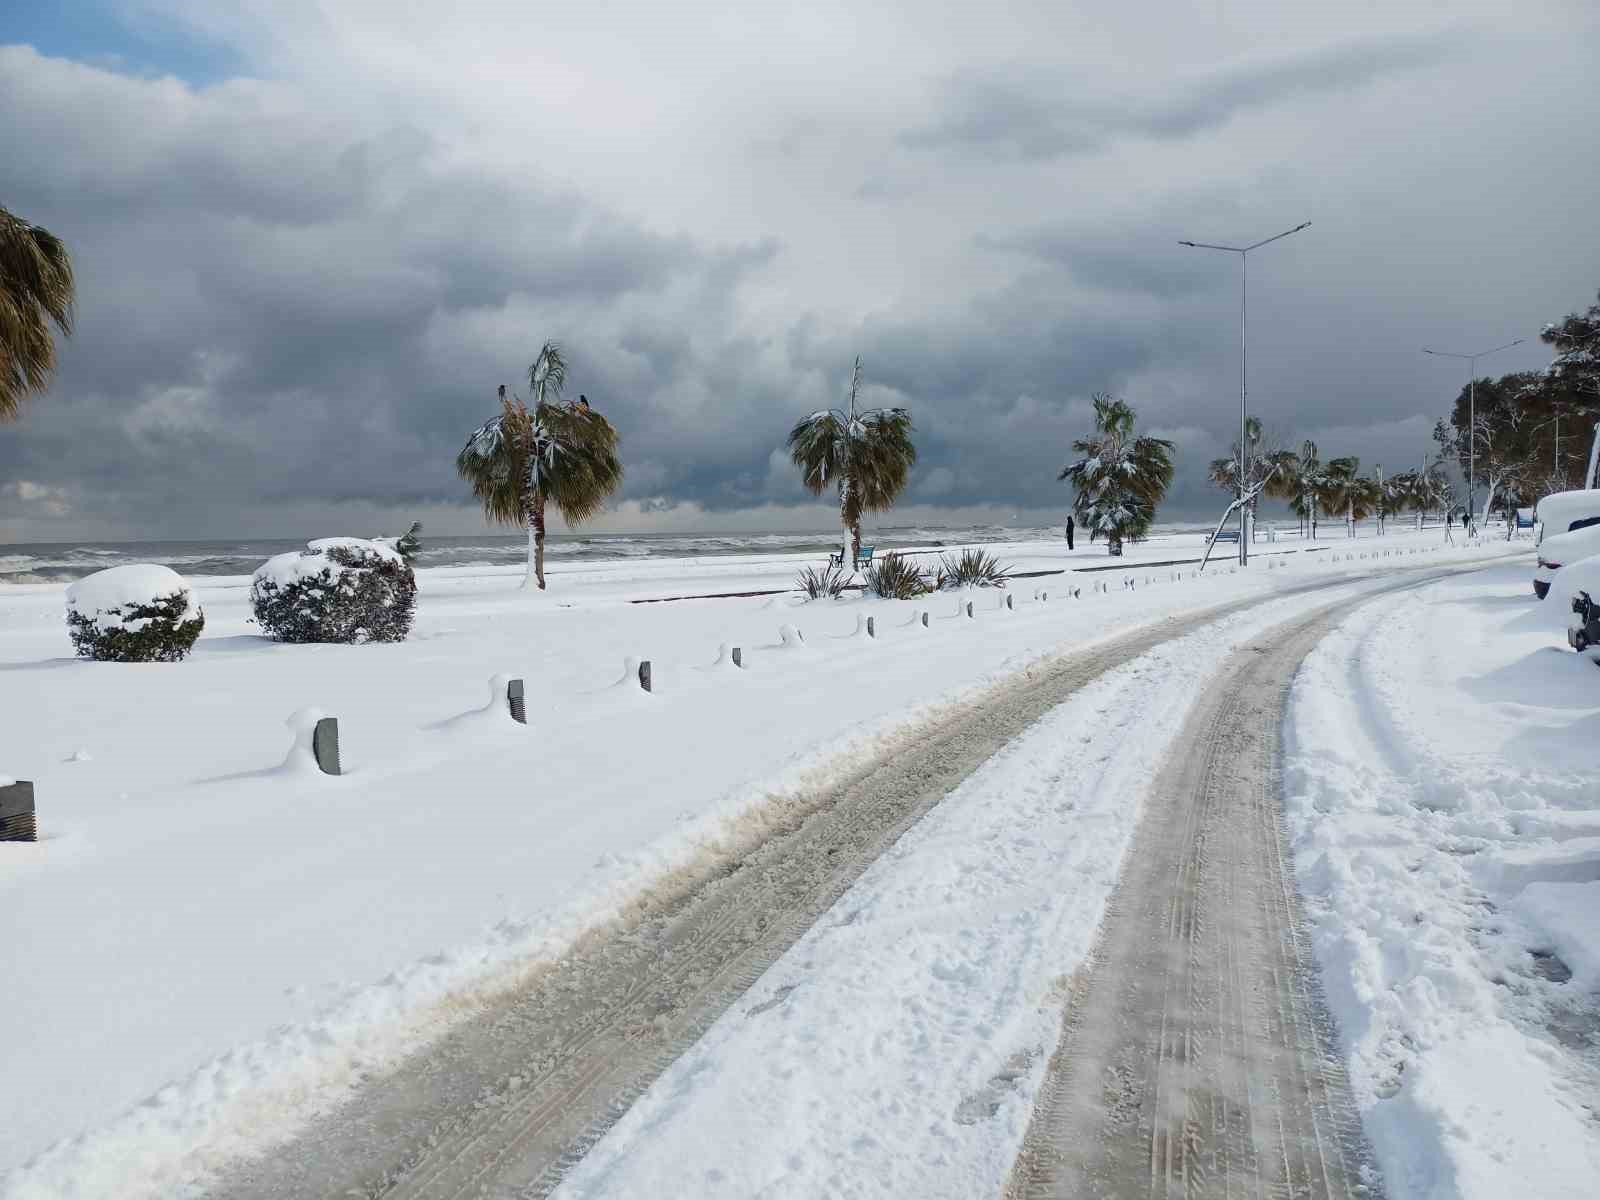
1197, 1057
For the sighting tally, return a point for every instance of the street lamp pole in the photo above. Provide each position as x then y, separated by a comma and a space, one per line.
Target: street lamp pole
1472, 407
1244, 388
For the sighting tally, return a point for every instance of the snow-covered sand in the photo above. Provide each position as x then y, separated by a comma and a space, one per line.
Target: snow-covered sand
205, 946
1444, 800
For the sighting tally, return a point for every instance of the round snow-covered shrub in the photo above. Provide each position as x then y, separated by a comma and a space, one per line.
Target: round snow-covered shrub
137, 613
335, 590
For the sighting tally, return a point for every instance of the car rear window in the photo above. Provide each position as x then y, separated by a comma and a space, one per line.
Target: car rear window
1583, 524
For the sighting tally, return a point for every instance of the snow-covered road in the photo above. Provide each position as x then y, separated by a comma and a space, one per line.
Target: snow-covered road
897, 1049
208, 951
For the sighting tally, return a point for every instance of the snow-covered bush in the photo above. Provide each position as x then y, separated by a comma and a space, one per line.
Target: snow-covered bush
335, 590
896, 577
829, 582
137, 613
974, 568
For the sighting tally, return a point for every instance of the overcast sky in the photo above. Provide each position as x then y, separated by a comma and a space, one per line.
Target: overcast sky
312, 238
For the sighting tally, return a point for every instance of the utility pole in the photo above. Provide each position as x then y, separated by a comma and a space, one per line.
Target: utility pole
1244, 388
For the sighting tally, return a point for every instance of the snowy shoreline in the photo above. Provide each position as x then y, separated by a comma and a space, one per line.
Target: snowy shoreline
211, 949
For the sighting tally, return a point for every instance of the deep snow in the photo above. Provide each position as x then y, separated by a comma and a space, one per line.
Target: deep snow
1444, 802
210, 943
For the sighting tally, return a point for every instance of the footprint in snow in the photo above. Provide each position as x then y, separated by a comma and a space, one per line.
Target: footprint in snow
778, 997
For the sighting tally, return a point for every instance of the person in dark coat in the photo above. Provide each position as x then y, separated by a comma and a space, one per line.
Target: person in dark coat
1069, 531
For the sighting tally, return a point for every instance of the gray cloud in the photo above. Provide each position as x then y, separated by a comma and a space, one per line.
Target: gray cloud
1029, 114
298, 293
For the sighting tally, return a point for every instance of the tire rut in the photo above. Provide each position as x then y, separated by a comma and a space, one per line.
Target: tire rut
1197, 1056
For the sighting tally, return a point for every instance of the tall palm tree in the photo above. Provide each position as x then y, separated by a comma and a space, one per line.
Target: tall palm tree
1121, 478
36, 291
552, 452
1297, 481
1344, 487
1224, 472
865, 452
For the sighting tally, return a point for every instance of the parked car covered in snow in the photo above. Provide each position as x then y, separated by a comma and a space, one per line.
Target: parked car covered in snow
1576, 589
1557, 515
1563, 550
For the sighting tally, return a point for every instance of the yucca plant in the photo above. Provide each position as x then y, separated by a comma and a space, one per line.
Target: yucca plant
972, 568
549, 452
36, 292
865, 452
827, 583
896, 577
1120, 478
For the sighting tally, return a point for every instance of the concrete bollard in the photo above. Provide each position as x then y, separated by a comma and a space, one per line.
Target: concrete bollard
18, 821
738, 658
644, 674
325, 745
516, 701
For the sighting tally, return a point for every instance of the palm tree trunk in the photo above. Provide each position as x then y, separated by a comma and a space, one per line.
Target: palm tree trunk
536, 543
1114, 543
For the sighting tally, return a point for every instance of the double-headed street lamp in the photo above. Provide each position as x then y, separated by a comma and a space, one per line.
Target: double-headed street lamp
1472, 406
1244, 405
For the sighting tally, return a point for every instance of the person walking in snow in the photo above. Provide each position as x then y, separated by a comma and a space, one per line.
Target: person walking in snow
1069, 531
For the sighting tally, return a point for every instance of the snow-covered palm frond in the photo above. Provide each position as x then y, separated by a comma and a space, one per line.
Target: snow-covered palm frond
563, 453
866, 453
1121, 478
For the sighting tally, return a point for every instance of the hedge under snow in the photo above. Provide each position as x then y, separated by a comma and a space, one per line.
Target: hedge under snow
137, 613
335, 590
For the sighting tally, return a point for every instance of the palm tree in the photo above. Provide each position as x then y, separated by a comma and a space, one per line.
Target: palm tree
866, 453
36, 290
1297, 481
552, 452
1344, 487
1120, 478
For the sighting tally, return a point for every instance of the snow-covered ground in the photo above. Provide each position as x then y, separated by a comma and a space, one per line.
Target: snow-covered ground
206, 945
1444, 800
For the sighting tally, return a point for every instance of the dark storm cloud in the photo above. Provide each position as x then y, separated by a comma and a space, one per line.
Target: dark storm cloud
292, 297
1031, 115
259, 286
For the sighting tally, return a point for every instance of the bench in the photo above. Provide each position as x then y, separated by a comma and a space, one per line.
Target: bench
1226, 535
863, 558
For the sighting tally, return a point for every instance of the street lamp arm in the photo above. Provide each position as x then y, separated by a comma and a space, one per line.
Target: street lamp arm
1277, 236
1213, 246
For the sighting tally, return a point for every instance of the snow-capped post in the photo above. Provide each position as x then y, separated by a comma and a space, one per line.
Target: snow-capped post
969, 610
17, 818
1010, 607
325, 745
738, 657
516, 701
644, 674
924, 618
872, 629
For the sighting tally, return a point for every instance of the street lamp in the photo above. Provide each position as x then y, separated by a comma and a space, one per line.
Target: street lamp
1244, 406
1472, 406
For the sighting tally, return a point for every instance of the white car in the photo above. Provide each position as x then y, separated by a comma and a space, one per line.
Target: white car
1562, 550
1563, 515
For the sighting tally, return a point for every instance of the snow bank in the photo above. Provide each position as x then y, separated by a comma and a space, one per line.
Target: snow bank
1439, 784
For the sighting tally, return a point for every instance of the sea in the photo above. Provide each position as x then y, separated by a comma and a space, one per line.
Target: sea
57, 562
